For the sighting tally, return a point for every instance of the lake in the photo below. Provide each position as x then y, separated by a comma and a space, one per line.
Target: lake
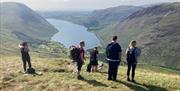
71, 34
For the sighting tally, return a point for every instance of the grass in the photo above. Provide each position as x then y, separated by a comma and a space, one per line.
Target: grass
58, 75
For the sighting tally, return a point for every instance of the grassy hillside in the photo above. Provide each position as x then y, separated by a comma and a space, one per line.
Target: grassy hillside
20, 23
100, 18
58, 75
157, 31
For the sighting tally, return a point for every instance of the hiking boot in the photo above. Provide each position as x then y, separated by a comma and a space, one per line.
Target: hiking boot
80, 77
133, 80
109, 79
128, 79
115, 80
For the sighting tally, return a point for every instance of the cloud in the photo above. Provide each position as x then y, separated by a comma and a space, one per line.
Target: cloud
82, 4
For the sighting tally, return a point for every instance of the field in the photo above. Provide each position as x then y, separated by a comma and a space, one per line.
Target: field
57, 75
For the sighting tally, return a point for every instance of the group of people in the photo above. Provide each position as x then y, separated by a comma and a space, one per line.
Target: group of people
113, 57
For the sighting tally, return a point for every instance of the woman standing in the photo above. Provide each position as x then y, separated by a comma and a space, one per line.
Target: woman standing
25, 55
94, 59
132, 54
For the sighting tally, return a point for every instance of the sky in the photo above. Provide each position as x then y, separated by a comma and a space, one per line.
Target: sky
54, 5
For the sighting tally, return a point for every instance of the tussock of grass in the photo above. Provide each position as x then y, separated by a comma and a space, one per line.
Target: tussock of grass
58, 75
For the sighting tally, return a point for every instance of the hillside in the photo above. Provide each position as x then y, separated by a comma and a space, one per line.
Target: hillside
100, 18
157, 31
96, 19
20, 23
58, 75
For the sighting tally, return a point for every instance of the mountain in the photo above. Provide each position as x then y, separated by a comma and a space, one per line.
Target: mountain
96, 19
77, 17
101, 18
157, 31
20, 23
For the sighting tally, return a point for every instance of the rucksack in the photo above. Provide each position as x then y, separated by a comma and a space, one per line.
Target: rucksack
75, 53
31, 71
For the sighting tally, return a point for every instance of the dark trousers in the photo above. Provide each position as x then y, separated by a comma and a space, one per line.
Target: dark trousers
79, 64
113, 70
133, 66
26, 59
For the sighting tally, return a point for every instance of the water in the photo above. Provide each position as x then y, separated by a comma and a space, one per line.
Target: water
71, 34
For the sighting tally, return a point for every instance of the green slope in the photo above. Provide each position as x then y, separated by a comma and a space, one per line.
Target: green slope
20, 23
58, 75
101, 18
157, 31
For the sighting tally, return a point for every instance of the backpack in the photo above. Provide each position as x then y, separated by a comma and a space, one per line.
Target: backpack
31, 71
75, 53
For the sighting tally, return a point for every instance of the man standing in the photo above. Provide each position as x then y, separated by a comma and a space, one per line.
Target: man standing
80, 62
77, 55
113, 52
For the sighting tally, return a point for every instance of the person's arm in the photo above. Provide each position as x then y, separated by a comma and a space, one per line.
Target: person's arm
20, 46
120, 54
107, 49
138, 52
82, 55
126, 51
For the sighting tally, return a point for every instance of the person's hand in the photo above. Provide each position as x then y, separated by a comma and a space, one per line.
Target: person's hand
135, 62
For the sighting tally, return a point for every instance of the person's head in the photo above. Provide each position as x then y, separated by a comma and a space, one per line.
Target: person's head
132, 43
95, 48
114, 38
82, 44
24, 43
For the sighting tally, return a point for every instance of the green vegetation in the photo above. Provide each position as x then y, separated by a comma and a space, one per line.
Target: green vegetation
156, 30
58, 74
19, 23
56, 71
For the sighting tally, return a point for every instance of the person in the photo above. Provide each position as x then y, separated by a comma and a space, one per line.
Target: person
25, 55
132, 54
113, 52
94, 59
78, 57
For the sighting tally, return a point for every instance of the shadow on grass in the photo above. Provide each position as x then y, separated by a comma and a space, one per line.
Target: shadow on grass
94, 83
142, 87
102, 72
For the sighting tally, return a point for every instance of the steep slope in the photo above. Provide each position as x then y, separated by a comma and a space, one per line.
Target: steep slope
20, 23
101, 18
157, 30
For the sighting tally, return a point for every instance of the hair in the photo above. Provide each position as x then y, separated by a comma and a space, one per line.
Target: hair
82, 42
132, 41
95, 48
23, 43
114, 38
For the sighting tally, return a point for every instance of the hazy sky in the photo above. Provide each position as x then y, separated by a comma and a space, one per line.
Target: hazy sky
82, 4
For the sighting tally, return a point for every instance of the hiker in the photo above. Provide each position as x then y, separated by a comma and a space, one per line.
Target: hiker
132, 55
25, 55
113, 52
94, 59
77, 55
